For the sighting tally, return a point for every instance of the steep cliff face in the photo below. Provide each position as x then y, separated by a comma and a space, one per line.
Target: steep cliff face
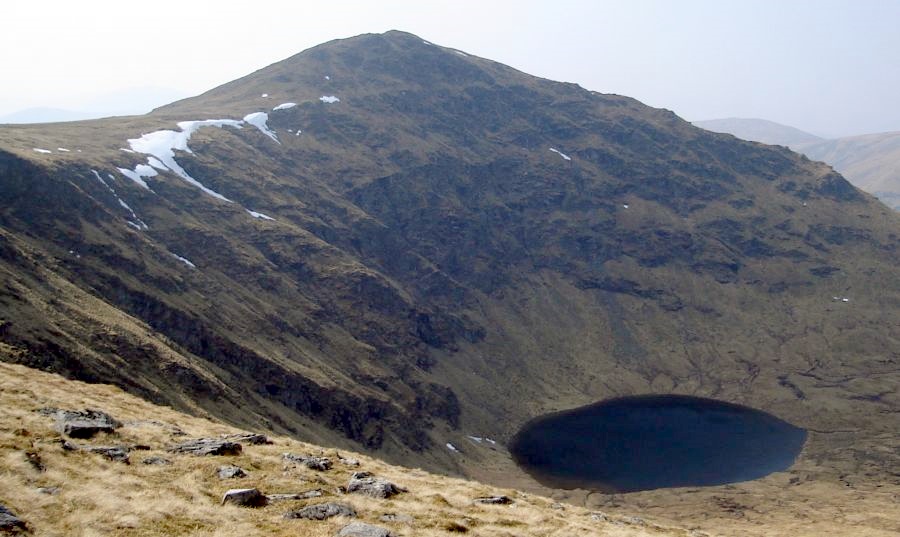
413, 245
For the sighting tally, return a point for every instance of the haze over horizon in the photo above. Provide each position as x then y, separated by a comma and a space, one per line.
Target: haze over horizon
821, 66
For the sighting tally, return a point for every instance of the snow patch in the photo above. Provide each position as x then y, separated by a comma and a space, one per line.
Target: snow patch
39, 150
138, 224
298, 132
284, 106
264, 95
452, 448
560, 153
329, 99
255, 214
184, 260
126, 150
162, 145
153, 161
461, 53
258, 120
427, 43
63, 149
624, 205
327, 77
138, 173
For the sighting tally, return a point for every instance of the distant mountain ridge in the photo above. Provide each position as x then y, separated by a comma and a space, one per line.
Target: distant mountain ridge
870, 161
759, 130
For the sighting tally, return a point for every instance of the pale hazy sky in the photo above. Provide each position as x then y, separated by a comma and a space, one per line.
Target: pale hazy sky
831, 67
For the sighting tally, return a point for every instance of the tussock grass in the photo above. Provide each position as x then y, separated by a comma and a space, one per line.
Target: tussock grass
100, 497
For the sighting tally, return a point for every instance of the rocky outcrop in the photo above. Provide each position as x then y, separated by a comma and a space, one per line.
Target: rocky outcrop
158, 461
245, 498
230, 472
9, 522
361, 529
113, 453
207, 446
322, 511
313, 463
316, 493
253, 439
376, 487
85, 423
494, 500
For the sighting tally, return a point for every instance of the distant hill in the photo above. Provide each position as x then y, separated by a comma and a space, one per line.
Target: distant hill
44, 115
759, 130
124, 102
871, 161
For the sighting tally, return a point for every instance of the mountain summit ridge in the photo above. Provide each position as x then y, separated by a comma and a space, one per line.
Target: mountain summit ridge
450, 247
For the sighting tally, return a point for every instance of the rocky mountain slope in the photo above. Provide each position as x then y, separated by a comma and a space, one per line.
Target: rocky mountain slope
869, 161
388, 245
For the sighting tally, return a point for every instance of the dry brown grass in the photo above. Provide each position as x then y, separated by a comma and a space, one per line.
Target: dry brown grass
100, 497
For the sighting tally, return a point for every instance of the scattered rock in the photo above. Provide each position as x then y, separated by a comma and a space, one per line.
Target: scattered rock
34, 459
49, 491
361, 529
207, 446
321, 511
230, 472
68, 446
10, 522
161, 461
85, 423
397, 517
600, 516
346, 461
245, 498
557, 505
313, 463
254, 439
364, 483
113, 453
296, 496
494, 500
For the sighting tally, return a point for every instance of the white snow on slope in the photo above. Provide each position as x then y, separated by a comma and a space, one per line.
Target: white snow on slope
63, 149
560, 153
138, 173
452, 448
264, 95
137, 223
153, 161
329, 99
39, 150
184, 260
284, 106
258, 120
255, 214
162, 145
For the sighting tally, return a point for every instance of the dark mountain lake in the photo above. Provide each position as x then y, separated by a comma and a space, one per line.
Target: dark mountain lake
655, 441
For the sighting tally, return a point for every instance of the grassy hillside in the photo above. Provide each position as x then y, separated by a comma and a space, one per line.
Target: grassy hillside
96, 496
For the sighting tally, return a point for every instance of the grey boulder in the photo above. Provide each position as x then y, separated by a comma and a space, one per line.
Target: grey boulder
313, 463
376, 487
207, 446
85, 423
245, 498
230, 472
361, 529
10, 522
321, 511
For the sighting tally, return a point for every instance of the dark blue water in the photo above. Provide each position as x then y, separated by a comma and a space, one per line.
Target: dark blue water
655, 441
